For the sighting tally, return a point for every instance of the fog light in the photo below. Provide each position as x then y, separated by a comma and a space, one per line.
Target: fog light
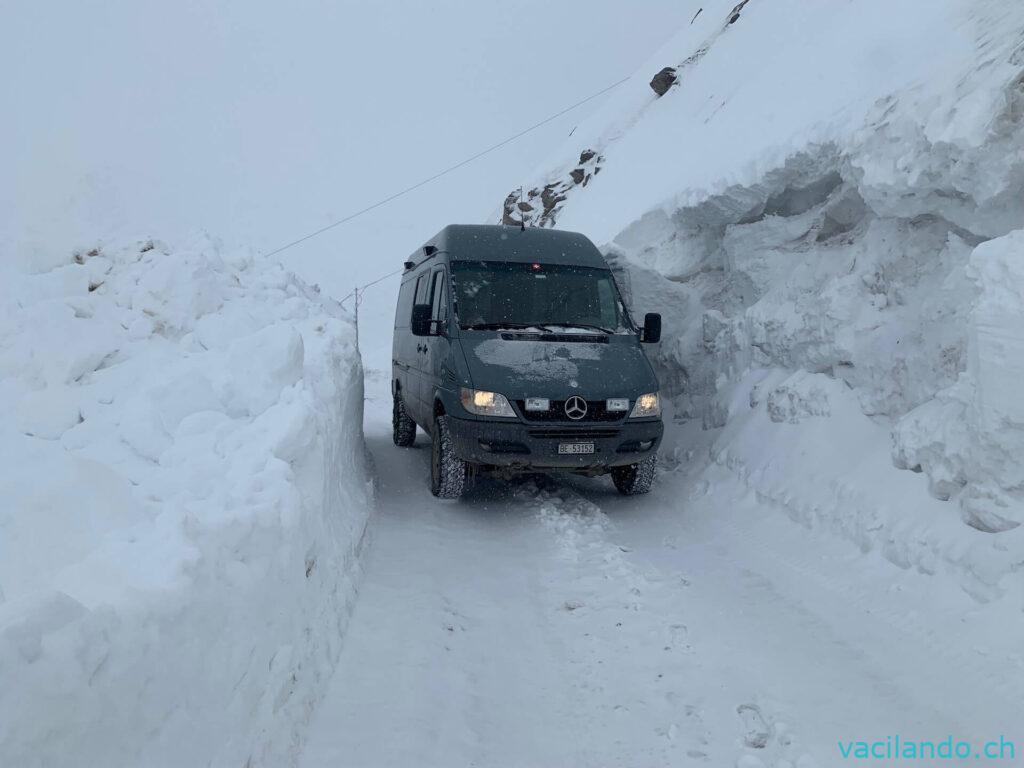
645, 445
538, 404
617, 404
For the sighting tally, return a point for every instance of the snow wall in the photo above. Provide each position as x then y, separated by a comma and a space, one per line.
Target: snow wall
827, 208
184, 502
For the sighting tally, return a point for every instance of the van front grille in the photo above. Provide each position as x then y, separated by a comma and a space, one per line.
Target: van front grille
596, 411
573, 434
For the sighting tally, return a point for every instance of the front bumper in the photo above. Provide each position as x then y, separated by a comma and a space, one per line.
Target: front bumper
517, 445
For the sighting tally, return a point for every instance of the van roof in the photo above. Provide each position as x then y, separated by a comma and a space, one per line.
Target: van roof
497, 242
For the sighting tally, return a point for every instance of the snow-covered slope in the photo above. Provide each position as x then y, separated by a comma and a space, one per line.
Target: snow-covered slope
184, 498
827, 207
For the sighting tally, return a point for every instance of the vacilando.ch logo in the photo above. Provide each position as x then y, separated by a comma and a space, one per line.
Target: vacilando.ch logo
897, 748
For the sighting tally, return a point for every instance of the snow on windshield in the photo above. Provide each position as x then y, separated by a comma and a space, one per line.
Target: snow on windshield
524, 294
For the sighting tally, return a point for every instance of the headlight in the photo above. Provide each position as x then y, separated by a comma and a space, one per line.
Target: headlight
486, 403
647, 405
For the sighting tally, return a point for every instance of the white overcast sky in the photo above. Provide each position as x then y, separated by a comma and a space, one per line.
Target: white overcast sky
257, 122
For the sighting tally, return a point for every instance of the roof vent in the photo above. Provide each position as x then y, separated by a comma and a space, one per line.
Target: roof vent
409, 264
429, 250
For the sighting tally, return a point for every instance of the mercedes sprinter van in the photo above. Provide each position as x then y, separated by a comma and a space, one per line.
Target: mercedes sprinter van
514, 350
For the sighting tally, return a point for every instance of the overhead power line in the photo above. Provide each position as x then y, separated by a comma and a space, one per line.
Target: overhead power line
446, 171
360, 288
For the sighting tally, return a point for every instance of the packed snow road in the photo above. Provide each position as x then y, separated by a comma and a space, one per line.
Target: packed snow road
554, 623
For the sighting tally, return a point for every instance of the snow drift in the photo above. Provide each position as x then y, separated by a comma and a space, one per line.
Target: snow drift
184, 499
828, 208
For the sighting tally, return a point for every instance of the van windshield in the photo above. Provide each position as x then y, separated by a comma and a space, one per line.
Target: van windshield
496, 294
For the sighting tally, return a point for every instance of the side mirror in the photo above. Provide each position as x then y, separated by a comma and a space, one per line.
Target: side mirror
652, 328
421, 320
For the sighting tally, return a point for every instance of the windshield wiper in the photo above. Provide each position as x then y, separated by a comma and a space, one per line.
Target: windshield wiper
500, 326
586, 325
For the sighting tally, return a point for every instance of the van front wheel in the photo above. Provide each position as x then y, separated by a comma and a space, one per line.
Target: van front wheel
403, 428
636, 478
447, 471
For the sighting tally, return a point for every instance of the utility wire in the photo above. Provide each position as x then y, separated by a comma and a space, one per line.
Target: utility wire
445, 172
359, 289
379, 279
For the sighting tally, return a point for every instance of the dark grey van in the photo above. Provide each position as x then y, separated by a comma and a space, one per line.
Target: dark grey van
514, 350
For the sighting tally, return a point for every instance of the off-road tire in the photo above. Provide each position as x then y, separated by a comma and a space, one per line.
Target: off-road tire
636, 478
403, 428
448, 473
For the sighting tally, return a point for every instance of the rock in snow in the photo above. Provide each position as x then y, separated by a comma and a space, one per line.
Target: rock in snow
664, 80
183, 495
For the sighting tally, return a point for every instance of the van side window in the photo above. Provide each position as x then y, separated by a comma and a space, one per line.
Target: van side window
421, 289
404, 310
440, 297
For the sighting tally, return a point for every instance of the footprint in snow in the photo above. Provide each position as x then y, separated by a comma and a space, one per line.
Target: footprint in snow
756, 730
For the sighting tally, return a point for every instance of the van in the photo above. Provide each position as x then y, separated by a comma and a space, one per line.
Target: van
514, 350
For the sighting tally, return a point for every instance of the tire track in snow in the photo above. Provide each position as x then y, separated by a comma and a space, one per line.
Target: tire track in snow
654, 690
884, 639
631, 653
997, 678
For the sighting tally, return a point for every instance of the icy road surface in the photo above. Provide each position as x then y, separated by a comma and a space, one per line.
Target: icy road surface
553, 623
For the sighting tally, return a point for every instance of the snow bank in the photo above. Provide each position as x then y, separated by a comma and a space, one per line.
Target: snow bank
969, 438
184, 502
828, 215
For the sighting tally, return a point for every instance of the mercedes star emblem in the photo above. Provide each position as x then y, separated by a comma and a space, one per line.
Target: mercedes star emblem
575, 407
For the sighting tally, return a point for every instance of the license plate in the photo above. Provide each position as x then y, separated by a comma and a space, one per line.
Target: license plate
575, 447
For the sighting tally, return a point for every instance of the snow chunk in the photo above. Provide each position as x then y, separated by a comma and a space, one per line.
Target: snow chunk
996, 360
972, 435
799, 396
259, 367
48, 413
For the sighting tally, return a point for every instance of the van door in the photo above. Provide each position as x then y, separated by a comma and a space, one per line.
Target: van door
413, 355
403, 349
438, 347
